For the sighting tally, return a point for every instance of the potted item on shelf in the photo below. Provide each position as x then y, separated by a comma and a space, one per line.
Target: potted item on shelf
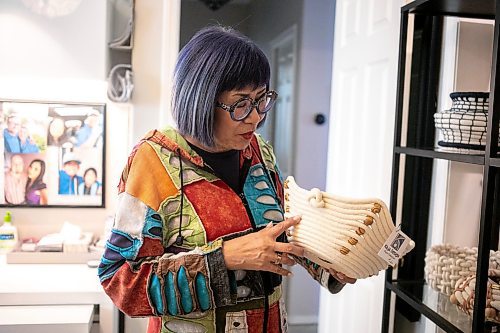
464, 125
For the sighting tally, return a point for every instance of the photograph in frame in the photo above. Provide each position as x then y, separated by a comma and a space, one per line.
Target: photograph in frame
53, 154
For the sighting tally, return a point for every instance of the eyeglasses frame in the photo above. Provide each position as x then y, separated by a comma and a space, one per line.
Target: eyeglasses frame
254, 104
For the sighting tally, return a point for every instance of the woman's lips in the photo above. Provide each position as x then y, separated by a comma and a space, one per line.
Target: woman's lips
247, 135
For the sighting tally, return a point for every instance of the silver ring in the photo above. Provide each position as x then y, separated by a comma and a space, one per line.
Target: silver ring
278, 258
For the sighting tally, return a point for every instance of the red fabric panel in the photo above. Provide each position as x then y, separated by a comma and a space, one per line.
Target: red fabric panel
255, 320
218, 207
154, 325
128, 290
151, 248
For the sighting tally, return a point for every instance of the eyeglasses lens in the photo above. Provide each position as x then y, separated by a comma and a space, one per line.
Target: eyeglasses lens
245, 106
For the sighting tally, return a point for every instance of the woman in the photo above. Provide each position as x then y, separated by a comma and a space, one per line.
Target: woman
90, 185
193, 246
36, 189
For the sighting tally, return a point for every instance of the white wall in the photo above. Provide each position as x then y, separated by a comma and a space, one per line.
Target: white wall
153, 59
314, 90
62, 59
72, 46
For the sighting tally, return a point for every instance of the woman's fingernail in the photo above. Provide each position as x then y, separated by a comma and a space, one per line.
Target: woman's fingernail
289, 274
297, 218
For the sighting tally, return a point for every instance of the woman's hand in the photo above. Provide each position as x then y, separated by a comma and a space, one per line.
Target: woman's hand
260, 251
341, 277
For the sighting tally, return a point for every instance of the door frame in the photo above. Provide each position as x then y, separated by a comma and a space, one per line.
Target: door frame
287, 36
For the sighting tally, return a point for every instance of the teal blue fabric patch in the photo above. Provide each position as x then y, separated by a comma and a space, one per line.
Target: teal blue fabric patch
261, 198
154, 290
153, 225
184, 291
173, 308
202, 291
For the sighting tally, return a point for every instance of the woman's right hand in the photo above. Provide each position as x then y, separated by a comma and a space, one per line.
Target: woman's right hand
259, 251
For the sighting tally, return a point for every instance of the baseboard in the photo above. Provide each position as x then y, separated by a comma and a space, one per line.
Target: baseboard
303, 320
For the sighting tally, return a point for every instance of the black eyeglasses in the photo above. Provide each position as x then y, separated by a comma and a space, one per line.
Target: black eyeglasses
243, 107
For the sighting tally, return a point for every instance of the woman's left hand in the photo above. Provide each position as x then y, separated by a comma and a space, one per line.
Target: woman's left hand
341, 277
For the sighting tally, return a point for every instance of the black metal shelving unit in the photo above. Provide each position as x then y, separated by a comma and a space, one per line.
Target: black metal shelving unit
413, 297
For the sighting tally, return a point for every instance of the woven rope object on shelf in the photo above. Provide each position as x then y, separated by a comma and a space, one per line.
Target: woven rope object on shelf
445, 264
340, 233
464, 125
463, 295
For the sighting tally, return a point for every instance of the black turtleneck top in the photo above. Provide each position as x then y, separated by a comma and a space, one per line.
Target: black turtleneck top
226, 165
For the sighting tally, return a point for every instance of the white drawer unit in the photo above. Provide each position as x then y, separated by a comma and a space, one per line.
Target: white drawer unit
46, 318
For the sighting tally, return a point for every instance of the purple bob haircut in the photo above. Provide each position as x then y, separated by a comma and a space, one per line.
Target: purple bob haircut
216, 59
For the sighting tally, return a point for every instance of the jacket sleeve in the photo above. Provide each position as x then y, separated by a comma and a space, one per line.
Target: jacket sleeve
321, 275
136, 271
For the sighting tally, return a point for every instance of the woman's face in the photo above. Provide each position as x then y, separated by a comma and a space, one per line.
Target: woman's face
34, 170
90, 178
230, 134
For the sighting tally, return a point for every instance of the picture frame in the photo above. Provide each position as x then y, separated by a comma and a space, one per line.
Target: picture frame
54, 154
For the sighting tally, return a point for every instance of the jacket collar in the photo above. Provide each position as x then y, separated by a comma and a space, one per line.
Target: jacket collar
170, 139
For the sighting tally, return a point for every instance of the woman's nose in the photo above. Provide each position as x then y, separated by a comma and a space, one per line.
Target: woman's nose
253, 117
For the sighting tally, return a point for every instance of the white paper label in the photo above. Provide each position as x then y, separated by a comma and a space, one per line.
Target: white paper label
394, 247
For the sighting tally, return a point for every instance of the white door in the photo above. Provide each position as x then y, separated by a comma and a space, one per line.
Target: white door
361, 137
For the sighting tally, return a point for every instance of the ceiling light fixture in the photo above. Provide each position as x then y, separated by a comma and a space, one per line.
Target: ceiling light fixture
215, 4
52, 8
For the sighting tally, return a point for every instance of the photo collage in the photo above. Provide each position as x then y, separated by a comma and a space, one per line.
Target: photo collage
53, 154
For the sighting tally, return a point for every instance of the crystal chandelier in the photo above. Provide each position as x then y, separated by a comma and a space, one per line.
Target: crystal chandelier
215, 4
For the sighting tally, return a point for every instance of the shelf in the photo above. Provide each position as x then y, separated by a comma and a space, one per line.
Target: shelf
484, 9
433, 305
476, 157
121, 48
495, 162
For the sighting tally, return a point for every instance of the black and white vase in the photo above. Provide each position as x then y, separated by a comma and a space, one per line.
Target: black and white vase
464, 125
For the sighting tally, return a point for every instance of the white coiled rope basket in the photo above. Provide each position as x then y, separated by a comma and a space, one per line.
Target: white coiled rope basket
451, 270
341, 233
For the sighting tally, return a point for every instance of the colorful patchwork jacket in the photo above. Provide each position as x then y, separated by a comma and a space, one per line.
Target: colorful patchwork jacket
185, 286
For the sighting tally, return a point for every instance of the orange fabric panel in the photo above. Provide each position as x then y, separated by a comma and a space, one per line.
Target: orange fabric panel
147, 179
